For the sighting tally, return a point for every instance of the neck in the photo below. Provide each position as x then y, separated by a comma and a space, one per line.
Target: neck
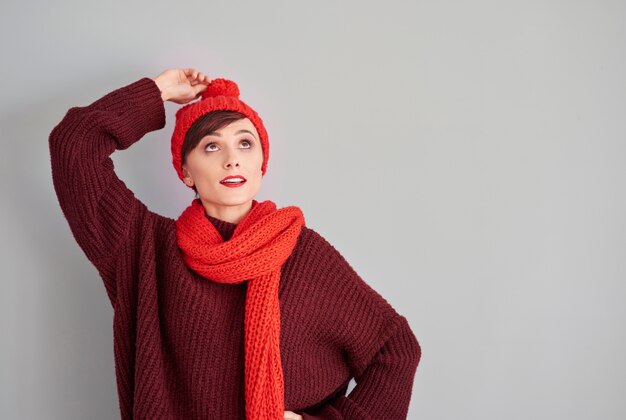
231, 214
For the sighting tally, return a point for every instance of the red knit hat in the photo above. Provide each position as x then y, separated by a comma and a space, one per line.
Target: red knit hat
219, 95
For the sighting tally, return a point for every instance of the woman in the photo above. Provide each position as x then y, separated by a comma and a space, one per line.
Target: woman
236, 309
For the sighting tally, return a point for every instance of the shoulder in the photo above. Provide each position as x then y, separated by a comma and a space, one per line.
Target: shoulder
338, 277
313, 241
317, 249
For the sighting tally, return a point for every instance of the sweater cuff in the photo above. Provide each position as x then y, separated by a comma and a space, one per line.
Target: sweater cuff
146, 110
142, 108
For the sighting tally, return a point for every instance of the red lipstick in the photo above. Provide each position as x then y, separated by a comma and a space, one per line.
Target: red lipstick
233, 181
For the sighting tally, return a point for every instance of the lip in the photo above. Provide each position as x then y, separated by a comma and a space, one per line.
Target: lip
229, 185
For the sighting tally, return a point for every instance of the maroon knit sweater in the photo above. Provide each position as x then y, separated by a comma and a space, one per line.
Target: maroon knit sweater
178, 337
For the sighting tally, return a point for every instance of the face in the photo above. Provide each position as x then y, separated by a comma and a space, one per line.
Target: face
230, 151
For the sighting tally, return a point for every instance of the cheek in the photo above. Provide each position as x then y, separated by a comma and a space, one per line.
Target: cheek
261, 157
256, 160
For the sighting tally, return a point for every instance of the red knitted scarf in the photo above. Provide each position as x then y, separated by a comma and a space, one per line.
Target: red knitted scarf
259, 246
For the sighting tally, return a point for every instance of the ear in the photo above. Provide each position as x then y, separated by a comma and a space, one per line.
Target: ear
187, 176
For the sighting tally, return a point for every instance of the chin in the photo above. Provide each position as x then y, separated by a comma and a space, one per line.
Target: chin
234, 201
234, 197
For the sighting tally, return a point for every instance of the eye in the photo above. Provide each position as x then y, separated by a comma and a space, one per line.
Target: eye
247, 144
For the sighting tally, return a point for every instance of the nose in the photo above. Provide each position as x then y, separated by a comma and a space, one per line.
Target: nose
231, 160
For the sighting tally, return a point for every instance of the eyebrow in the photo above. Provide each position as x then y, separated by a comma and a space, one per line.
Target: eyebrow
215, 133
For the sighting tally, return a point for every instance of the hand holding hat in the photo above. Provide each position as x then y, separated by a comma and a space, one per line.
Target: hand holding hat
181, 85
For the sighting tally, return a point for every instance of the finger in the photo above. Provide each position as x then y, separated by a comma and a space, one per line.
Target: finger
192, 74
195, 79
188, 72
198, 89
203, 78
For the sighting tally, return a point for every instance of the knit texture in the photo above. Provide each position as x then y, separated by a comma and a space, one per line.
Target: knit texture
178, 339
261, 243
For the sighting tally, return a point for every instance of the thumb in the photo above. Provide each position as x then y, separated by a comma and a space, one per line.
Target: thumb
198, 89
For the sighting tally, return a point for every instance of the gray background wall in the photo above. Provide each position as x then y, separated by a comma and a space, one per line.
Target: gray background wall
467, 158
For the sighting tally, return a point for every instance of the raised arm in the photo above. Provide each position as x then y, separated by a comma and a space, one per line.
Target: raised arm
97, 205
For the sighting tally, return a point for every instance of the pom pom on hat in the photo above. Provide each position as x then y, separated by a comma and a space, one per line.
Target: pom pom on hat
221, 87
219, 95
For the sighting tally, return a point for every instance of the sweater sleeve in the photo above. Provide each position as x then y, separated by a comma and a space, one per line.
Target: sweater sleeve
378, 343
96, 203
